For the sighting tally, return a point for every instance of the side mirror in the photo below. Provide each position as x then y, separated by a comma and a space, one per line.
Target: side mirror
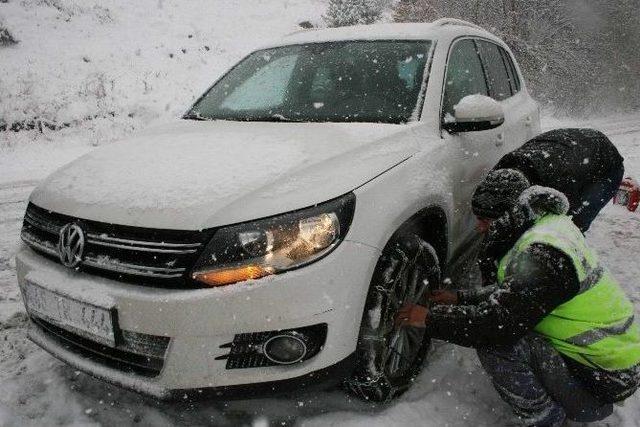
474, 113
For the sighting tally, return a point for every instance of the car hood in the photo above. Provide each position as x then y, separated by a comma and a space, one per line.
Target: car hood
191, 175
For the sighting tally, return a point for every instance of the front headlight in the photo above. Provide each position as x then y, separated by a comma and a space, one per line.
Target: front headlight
272, 245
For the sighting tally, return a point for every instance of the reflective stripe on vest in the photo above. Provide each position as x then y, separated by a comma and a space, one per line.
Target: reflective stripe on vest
596, 326
593, 336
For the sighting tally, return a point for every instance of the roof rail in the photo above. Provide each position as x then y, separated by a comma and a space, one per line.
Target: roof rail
304, 26
453, 21
302, 30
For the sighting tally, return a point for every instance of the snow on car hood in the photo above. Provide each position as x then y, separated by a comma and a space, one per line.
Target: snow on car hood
191, 175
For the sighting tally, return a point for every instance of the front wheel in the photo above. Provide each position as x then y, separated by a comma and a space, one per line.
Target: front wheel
390, 357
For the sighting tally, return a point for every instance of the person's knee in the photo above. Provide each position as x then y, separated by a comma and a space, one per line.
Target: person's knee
502, 358
495, 359
590, 414
488, 359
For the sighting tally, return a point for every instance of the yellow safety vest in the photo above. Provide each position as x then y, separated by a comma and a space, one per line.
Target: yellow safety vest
596, 327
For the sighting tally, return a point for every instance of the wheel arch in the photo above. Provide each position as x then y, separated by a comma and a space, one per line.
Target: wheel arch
370, 380
431, 224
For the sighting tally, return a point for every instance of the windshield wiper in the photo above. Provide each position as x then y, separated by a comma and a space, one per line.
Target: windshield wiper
194, 116
272, 118
275, 117
281, 118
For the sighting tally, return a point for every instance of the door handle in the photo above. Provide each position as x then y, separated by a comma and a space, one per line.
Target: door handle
500, 140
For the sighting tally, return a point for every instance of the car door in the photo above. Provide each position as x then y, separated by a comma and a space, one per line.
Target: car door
528, 107
474, 153
520, 111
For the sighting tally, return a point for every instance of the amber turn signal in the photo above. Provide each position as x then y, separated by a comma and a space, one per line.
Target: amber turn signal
228, 276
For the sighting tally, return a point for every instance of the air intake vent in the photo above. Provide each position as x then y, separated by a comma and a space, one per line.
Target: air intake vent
136, 353
141, 255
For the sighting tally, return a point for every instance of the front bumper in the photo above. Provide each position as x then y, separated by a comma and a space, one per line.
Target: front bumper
322, 378
201, 322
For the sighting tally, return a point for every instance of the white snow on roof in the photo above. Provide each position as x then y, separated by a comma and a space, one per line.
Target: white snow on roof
395, 31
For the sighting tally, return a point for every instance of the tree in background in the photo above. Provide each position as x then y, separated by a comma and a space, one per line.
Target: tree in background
341, 13
577, 55
612, 33
6, 38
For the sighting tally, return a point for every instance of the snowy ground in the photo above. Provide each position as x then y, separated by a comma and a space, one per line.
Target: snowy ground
79, 59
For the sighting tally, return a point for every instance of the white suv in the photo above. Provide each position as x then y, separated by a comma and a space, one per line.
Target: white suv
266, 239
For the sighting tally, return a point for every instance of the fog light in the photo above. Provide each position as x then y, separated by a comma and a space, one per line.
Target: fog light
285, 349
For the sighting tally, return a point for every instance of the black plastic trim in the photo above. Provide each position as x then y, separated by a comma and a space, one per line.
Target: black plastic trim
322, 379
117, 358
246, 349
459, 127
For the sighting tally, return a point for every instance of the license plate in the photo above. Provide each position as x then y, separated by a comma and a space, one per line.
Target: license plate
87, 320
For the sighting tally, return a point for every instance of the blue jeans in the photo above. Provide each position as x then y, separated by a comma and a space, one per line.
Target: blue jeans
535, 380
595, 196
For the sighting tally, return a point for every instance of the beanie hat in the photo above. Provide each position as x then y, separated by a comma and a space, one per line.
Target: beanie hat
498, 192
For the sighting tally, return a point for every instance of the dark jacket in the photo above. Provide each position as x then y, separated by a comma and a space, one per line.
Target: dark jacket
568, 160
541, 279
536, 281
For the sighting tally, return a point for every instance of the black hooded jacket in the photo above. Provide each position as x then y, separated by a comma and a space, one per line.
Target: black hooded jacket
536, 281
587, 153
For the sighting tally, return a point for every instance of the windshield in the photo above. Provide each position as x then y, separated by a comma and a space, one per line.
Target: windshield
355, 81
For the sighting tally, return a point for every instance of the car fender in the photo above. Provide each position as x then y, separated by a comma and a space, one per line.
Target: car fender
384, 204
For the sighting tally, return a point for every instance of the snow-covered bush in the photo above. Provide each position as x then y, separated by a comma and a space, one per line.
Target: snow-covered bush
6, 38
352, 12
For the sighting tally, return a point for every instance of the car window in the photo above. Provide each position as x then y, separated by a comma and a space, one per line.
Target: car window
321, 85
266, 88
349, 81
464, 75
410, 72
497, 75
511, 70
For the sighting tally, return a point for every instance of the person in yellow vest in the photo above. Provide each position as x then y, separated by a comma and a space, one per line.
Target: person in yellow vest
553, 329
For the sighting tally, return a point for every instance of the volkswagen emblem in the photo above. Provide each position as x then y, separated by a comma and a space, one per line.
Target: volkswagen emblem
71, 245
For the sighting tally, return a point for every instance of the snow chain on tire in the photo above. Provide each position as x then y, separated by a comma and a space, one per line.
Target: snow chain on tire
404, 255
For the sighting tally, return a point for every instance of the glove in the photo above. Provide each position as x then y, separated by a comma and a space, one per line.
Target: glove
412, 315
443, 297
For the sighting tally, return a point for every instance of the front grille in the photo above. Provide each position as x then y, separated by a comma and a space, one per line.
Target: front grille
137, 353
141, 255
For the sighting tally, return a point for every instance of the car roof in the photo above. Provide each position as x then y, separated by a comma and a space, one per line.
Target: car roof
396, 31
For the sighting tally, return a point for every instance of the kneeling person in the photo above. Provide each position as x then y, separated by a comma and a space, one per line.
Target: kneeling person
555, 331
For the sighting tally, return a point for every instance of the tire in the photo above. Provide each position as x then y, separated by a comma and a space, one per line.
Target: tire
389, 358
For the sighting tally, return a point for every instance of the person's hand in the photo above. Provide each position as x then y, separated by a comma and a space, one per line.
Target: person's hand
483, 225
412, 315
443, 297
